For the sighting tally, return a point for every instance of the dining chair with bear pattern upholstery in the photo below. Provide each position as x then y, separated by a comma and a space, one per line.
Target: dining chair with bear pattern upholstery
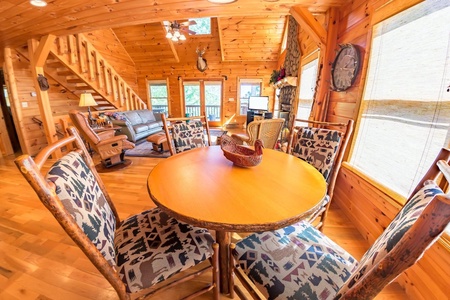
186, 133
300, 262
323, 145
137, 254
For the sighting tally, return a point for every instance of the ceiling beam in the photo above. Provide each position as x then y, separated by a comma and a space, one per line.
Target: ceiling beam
172, 46
222, 54
308, 22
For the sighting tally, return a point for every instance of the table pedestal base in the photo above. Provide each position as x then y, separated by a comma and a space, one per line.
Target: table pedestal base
223, 238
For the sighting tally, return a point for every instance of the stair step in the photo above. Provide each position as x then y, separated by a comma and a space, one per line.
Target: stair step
75, 80
65, 72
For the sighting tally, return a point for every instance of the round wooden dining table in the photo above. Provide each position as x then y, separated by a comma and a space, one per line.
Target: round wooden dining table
201, 187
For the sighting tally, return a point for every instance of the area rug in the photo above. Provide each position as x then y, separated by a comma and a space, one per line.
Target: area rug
145, 149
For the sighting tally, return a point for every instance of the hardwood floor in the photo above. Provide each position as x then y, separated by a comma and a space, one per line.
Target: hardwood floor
39, 261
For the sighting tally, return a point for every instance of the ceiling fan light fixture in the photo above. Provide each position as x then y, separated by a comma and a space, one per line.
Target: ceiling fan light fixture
182, 37
222, 1
176, 34
38, 3
169, 35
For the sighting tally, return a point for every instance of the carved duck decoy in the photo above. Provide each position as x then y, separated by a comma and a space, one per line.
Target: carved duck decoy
240, 155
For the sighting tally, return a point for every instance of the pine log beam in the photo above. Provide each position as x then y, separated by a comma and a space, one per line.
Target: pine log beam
309, 23
16, 110
326, 59
219, 27
172, 47
38, 52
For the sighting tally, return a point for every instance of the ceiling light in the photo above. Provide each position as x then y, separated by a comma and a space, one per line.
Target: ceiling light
39, 3
222, 1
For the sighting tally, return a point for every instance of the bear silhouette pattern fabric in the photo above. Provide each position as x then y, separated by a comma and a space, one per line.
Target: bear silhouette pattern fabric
188, 135
82, 197
318, 147
152, 246
295, 262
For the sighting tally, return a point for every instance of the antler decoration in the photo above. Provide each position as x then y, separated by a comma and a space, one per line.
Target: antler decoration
202, 64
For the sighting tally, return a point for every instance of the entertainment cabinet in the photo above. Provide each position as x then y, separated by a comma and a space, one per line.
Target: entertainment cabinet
253, 115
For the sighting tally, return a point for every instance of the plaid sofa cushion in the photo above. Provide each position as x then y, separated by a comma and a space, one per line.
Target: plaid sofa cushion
318, 147
152, 246
395, 231
81, 195
295, 262
187, 136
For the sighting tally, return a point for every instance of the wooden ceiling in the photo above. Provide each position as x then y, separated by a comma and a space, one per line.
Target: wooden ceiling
253, 27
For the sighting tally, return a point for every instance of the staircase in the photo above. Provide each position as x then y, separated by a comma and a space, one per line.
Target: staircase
77, 65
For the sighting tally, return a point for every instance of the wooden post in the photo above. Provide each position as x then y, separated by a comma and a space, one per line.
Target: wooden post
16, 110
326, 58
38, 55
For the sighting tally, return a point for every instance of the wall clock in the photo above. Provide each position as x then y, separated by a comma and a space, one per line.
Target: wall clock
345, 67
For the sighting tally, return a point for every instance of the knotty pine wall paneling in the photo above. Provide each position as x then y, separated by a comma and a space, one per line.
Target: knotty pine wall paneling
186, 69
109, 46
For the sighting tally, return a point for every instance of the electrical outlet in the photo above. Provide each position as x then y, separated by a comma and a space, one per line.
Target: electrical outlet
24, 104
33, 94
231, 99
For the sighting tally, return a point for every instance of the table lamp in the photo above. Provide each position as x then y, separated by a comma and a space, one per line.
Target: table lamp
86, 99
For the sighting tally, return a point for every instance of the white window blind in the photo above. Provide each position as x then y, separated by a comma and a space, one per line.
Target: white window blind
405, 112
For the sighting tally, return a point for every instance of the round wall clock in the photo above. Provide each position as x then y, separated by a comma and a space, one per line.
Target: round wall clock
345, 67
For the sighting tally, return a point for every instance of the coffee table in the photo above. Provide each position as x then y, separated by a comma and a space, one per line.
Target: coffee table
201, 187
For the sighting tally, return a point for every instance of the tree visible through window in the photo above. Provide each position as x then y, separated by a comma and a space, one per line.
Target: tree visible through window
158, 95
247, 88
203, 26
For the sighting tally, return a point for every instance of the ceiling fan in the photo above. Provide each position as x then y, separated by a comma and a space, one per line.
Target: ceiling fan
175, 30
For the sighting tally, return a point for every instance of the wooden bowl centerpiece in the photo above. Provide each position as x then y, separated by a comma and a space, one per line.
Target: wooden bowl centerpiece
241, 156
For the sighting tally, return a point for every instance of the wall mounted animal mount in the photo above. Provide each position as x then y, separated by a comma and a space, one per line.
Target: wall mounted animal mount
202, 64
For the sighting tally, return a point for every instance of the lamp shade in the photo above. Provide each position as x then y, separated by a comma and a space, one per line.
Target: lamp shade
86, 99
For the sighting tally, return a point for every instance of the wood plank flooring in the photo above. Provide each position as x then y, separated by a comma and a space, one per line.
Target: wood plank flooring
39, 261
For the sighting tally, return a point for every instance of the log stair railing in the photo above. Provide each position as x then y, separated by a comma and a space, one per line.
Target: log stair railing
86, 70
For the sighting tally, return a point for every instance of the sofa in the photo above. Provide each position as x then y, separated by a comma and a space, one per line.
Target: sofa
137, 124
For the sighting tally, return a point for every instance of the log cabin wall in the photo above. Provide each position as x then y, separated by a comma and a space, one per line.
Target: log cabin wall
20, 82
217, 69
368, 207
109, 46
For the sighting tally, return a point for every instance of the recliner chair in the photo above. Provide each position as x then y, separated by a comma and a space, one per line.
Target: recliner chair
111, 148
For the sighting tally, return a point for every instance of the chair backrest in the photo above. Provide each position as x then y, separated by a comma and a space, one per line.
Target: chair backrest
415, 228
268, 131
186, 133
323, 145
74, 193
81, 123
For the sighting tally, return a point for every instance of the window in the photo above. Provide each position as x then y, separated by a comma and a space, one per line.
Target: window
202, 27
308, 82
247, 88
405, 112
158, 95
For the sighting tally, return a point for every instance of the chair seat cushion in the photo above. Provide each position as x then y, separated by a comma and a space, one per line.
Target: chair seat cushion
295, 262
152, 246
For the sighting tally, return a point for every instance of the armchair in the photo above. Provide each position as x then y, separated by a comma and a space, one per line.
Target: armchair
111, 148
268, 131
300, 262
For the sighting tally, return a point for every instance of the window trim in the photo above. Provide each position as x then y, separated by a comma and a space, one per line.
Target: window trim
238, 97
158, 81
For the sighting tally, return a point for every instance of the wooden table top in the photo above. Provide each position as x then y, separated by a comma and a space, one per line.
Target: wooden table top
203, 188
